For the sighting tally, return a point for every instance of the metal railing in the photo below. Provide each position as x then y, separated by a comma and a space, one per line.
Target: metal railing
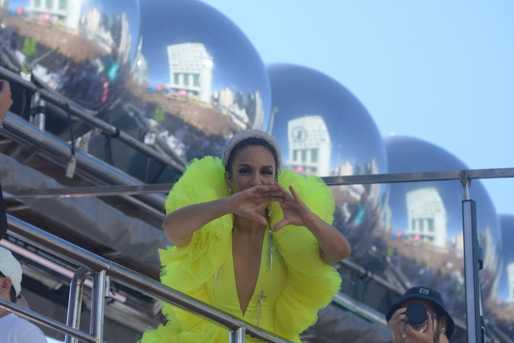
238, 329
103, 270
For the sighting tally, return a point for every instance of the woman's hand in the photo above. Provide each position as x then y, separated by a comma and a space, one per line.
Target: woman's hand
5, 98
295, 210
333, 246
251, 203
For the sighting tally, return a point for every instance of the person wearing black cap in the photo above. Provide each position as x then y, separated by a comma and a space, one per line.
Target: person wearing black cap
420, 316
5, 104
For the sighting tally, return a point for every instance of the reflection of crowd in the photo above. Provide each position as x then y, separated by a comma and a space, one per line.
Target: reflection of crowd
435, 270
76, 69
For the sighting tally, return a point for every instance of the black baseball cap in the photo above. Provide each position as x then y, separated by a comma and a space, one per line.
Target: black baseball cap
427, 294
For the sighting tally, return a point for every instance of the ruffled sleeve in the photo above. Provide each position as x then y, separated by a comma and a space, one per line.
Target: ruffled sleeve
311, 283
188, 268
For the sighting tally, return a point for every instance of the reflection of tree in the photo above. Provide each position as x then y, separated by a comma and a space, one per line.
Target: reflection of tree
428, 265
359, 218
198, 128
194, 113
503, 315
55, 37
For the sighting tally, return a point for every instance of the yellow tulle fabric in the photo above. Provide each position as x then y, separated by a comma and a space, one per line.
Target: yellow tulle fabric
309, 285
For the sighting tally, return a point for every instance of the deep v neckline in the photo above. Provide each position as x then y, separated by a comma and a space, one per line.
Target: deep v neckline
234, 278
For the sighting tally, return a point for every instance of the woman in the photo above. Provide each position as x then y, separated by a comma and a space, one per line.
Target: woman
250, 241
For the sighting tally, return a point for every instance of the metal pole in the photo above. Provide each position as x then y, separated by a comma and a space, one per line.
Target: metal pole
471, 249
75, 303
237, 336
146, 189
41, 320
96, 327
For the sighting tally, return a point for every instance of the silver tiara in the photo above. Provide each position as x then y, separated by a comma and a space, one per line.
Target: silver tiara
249, 134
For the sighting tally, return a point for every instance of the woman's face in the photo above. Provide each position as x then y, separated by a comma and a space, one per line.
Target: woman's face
252, 165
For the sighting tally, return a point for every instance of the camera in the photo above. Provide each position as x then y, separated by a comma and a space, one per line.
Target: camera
416, 316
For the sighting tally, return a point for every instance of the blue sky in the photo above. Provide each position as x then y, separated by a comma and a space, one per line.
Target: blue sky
439, 70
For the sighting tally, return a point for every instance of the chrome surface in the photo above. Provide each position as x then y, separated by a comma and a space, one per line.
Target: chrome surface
83, 49
197, 81
424, 237
502, 303
322, 129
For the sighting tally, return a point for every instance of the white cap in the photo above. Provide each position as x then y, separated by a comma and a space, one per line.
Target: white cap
11, 268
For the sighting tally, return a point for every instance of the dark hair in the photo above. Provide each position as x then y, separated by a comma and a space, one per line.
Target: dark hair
12, 292
244, 144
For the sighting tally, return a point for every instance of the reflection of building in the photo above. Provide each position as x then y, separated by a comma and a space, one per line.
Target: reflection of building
510, 276
95, 29
309, 145
459, 245
66, 12
227, 100
191, 69
259, 112
125, 39
427, 220
140, 73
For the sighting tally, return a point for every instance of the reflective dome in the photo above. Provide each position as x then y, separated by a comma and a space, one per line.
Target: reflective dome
198, 80
322, 129
502, 303
424, 238
83, 49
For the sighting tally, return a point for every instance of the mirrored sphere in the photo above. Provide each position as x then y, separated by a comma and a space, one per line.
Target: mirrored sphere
424, 238
197, 81
83, 49
502, 304
322, 129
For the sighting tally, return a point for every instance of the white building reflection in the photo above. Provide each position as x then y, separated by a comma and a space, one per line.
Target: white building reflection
427, 218
510, 276
191, 69
66, 12
309, 145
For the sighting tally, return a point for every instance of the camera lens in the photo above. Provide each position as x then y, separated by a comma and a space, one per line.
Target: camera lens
416, 315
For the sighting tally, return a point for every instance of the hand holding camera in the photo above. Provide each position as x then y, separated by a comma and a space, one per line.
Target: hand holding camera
412, 324
419, 316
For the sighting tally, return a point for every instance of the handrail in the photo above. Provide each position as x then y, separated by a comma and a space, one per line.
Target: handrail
117, 190
156, 290
64, 249
50, 323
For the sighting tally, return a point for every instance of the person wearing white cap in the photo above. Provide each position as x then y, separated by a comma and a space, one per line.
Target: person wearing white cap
14, 329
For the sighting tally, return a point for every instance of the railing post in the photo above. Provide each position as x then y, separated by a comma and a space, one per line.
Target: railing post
471, 267
96, 327
75, 303
237, 336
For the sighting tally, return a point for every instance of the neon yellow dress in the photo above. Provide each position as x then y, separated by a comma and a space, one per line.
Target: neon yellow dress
292, 285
